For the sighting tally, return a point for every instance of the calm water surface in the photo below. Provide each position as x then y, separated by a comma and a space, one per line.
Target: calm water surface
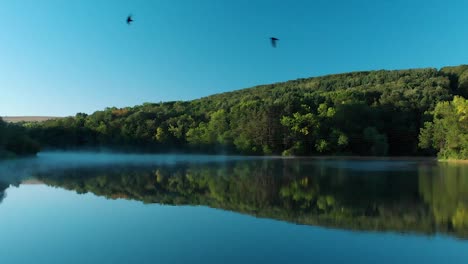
103, 208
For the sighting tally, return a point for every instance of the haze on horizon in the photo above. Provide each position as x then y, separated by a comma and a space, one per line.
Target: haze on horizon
64, 57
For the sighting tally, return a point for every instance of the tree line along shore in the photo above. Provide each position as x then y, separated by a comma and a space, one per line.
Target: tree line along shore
416, 112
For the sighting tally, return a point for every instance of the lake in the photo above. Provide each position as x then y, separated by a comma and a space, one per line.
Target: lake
118, 208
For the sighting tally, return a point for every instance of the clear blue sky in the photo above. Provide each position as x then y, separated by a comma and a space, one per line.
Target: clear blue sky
61, 57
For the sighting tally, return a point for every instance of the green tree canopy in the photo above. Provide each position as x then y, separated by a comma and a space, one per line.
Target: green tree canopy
448, 132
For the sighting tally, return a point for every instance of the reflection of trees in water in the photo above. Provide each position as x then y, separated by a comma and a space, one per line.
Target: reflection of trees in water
3, 187
445, 189
10, 176
297, 191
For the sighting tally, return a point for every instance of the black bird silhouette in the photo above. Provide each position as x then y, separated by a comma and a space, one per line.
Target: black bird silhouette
273, 41
129, 19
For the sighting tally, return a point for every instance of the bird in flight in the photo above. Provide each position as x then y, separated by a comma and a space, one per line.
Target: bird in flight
129, 19
273, 41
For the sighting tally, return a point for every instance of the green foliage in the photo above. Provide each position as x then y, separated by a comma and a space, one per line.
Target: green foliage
459, 79
216, 132
448, 132
161, 135
359, 113
14, 141
378, 142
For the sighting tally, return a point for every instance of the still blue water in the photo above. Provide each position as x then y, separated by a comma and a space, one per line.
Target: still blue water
44, 220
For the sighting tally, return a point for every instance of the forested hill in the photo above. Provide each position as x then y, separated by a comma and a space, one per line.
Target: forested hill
15, 142
359, 113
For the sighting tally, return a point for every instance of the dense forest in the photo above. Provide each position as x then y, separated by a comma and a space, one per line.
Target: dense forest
448, 132
14, 141
361, 113
420, 198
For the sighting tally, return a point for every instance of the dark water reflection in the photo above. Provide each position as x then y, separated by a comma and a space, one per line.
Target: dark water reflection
420, 197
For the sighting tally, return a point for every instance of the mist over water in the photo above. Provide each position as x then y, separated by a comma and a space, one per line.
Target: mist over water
46, 161
21, 169
53, 161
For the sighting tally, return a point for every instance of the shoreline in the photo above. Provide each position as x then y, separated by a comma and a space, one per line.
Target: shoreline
403, 158
453, 161
325, 157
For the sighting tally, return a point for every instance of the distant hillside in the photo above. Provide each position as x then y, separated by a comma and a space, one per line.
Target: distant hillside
359, 113
16, 119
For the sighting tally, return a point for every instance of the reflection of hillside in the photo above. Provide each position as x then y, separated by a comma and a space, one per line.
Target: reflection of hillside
5, 183
3, 187
445, 189
14, 173
291, 190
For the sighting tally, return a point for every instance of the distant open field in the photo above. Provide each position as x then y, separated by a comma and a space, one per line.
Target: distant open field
15, 119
